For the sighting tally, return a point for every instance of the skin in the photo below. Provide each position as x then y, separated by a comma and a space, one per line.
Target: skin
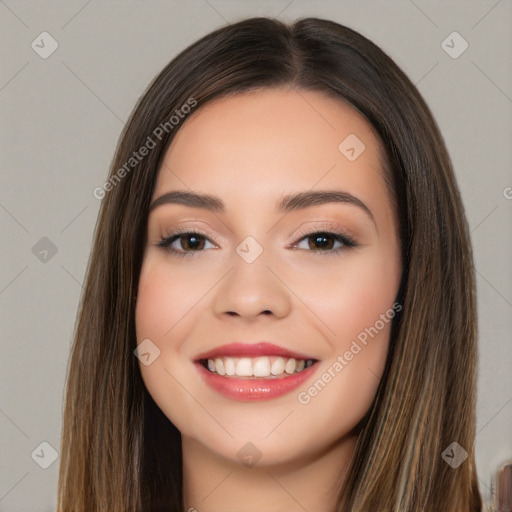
249, 150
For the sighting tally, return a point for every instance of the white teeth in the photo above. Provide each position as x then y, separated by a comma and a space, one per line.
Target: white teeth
261, 367
244, 367
277, 366
290, 366
257, 367
219, 365
229, 366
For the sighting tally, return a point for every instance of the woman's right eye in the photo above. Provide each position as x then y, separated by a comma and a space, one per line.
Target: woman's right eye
190, 241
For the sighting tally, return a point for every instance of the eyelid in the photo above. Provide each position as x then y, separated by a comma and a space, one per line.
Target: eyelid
320, 225
186, 229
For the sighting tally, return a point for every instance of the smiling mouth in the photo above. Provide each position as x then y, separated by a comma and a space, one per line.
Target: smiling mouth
262, 367
253, 372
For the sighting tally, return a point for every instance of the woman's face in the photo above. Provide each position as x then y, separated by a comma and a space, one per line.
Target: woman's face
298, 251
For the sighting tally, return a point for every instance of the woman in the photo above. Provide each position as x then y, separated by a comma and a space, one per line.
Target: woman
228, 355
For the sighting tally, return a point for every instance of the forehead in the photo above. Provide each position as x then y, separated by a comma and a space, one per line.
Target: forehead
282, 139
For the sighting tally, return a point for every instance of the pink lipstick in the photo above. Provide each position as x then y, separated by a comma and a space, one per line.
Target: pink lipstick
260, 371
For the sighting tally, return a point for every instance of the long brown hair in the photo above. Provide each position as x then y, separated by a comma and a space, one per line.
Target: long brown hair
119, 452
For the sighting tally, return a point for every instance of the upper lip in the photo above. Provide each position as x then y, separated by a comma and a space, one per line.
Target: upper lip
240, 349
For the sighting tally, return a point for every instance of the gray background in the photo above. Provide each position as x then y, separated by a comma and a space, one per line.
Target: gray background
61, 119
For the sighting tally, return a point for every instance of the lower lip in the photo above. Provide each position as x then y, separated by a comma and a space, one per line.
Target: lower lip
254, 389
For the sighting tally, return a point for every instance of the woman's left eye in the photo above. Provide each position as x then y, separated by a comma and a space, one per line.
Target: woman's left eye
323, 242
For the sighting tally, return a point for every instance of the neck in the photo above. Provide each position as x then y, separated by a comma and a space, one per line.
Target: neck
212, 483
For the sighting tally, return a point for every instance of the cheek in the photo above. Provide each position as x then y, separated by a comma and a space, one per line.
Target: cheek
153, 314
160, 316
166, 295
157, 312
356, 306
349, 297
368, 295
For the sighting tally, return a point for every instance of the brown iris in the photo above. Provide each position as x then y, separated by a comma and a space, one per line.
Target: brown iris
322, 237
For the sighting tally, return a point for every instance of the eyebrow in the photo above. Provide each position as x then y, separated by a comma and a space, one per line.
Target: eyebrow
287, 203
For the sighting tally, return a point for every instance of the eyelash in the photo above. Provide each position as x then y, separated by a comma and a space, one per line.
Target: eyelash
347, 241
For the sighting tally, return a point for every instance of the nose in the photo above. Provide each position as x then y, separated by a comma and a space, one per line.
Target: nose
251, 290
